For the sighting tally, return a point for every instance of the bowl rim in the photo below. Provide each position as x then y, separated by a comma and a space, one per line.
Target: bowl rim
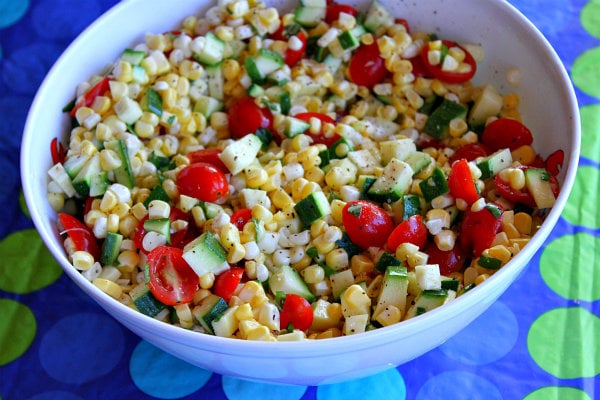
306, 349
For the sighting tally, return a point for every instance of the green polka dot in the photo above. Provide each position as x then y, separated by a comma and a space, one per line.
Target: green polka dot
567, 264
17, 329
557, 393
23, 205
590, 131
585, 72
590, 17
582, 206
563, 341
26, 265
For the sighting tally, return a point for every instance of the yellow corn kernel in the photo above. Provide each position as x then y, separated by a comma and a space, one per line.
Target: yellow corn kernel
501, 238
323, 245
389, 315
109, 201
101, 104
236, 253
123, 72
184, 315
511, 230
158, 209
256, 177
417, 258
128, 260
361, 264
207, 280
91, 217
480, 278
524, 154
109, 287
510, 101
355, 301
88, 148
191, 70
523, 222
498, 252
313, 274
445, 239
156, 42
127, 225
262, 213
109, 160
405, 249
337, 259
82, 260
457, 127
252, 330
231, 69
112, 223
198, 215
438, 88
244, 312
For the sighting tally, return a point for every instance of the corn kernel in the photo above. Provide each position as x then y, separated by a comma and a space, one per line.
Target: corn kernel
523, 222
109, 287
82, 260
524, 154
207, 280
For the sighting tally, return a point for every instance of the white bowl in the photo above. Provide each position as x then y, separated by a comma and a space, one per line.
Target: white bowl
548, 105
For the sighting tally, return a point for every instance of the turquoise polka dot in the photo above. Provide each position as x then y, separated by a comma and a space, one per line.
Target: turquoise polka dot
497, 325
55, 394
458, 385
11, 11
240, 389
51, 22
385, 385
162, 375
69, 351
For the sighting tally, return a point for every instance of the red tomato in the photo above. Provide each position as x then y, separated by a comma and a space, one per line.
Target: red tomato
333, 11
449, 261
366, 223
460, 182
172, 280
297, 312
404, 23
241, 217
418, 67
203, 181
99, 89
293, 56
449, 76
82, 237
470, 152
58, 151
506, 132
411, 230
478, 230
521, 196
555, 161
319, 137
245, 117
367, 67
210, 156
227, 281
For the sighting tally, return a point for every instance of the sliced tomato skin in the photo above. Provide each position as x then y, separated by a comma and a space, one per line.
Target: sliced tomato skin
319, 138
555, 161
478, 230
297, 312
99, 89
412, 230
449, 261
505, 133
171, 280
367, 67
241, 217
332, 13
292, 57
470, 152
367, 224
522, 196
82, 237
460, 182
450, 76
210, 156
203, 181
227, 282
245, 117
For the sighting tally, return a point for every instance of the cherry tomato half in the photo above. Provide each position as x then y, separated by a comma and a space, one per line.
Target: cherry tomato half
210, 156
366, 223
460, 182
449, 76
203, 181
99, 89
470, 152
57, 151
449, 260
478, 229
320, 137
245, 117
227, 281
297, 312
333, 11
521, 196
241, 217
367, 67
412, 230
82, 237
172, 280
506, 133
555, 161
291, 56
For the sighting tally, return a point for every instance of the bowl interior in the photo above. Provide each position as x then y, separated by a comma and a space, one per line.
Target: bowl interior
509, 40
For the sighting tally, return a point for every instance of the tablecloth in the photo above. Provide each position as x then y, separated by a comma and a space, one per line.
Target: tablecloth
540, 340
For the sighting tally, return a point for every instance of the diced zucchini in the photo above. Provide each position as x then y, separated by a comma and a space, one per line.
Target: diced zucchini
256, 90
62, 179
294, 126
98, 184
134, 57
495, 163
288, 280
341, 281
152, 102
83, 180
241, 153
340, 148
145, 301
537, 181
159, 225
418, 161
437, 124
207, 105
206, 254
411, 204
266, 62
489, 262
128, 110
215, 80
309, 16
332, 63
399, 149
226, 324
385, 261
211, 51
487, 104
377, 18
123, 173
393, 290
365, 161
450, 284
210, 309
75, 163
111, 248
394, 182
312, 207
435, 185
428, 300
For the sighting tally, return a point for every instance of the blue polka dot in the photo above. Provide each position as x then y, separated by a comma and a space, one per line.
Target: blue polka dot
25, 69
240, 389
69, 351
386, 385
11, 11
13, 113
472, 345
162, 375
52, 20
458, 385
55, 395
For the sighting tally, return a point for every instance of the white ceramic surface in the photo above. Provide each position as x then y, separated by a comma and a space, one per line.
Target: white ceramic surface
548, 105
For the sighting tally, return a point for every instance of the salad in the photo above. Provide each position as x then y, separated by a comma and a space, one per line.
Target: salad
286, 176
